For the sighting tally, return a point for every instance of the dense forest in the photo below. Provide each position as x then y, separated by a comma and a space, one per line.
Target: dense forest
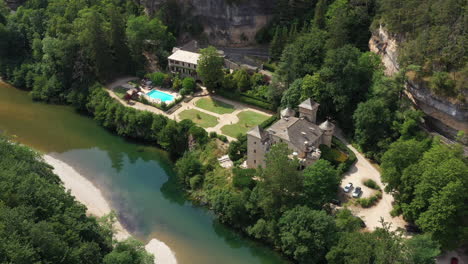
42, 223
62, 51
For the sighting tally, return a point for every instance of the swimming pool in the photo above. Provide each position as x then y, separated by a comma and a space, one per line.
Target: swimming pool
155, 94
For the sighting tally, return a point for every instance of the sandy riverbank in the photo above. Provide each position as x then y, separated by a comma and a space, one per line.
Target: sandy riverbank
89, 195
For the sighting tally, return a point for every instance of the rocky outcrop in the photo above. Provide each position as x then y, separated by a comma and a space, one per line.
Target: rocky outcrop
443, 115
14, 4
224, 23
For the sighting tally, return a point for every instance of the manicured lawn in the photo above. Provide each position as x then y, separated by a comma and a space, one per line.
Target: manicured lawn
247, 120
199, 118
215, 106
120, 91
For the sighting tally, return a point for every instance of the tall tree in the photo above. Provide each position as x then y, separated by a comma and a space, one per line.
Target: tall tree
321, 182
306, 235
281, 182
210, 68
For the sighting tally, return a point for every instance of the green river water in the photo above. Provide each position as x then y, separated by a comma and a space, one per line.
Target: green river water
137, 181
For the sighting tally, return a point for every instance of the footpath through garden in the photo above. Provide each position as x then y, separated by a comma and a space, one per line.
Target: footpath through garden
225, 123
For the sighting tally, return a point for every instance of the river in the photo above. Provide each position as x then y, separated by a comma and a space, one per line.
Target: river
137, 181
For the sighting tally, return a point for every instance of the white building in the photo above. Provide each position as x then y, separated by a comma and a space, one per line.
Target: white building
184, 62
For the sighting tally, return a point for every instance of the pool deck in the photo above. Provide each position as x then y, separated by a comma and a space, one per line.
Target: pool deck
146, 90
223, 119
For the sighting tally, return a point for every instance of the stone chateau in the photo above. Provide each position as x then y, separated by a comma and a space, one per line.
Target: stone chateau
302, 135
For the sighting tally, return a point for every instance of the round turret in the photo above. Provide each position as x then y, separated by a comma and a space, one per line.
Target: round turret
328, 129
287, 112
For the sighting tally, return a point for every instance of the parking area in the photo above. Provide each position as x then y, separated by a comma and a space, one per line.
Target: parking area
360, 171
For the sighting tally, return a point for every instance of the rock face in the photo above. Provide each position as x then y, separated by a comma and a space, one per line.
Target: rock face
443, 116
14, 4
225, 24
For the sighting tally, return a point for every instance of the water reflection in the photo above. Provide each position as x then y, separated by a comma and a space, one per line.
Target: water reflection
137, 180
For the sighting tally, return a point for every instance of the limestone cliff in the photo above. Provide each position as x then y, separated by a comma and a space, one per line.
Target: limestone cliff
224, 23
14, 4
443, 115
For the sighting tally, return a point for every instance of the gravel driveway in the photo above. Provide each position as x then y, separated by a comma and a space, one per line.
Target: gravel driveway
360, 171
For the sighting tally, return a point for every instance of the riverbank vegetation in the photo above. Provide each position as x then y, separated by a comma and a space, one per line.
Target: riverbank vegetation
61, 50
42, 223
287, 209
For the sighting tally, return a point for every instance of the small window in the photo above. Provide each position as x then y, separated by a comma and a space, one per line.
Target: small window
255, 151
255, 161
255, 142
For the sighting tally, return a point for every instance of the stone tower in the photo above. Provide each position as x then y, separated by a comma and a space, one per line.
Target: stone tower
308, 110
328, 129
256, 148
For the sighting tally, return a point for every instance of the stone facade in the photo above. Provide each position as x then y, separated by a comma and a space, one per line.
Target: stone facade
302, 135
184, 63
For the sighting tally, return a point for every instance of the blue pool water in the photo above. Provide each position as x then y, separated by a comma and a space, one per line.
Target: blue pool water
160, 95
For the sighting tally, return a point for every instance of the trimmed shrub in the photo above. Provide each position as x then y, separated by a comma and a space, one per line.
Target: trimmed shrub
368, 202
213, 134
223, 138
247, 99
344, 167
268, 122
371, 184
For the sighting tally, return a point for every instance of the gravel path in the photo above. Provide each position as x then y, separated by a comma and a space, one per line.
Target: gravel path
223, 119
361, 170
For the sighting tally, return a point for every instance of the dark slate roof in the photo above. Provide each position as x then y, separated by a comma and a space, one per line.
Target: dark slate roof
327, 125
288, 112
309, 104
296, 130
257, 132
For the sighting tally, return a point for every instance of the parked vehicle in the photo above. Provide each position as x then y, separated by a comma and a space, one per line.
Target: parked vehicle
357, 192
348, 187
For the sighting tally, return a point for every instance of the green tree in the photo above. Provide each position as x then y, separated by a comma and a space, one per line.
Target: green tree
292, 97
157, 78
188, 85
242, 78
281, 182
129, 251
210, 68
92, 39
397, 158
421, 249
306, 235
347, 222
321, 181
187, 167
372, 121
303, 56
238, 149
319, 16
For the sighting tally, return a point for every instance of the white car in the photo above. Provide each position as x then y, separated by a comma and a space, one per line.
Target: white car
348, 187
357, 192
